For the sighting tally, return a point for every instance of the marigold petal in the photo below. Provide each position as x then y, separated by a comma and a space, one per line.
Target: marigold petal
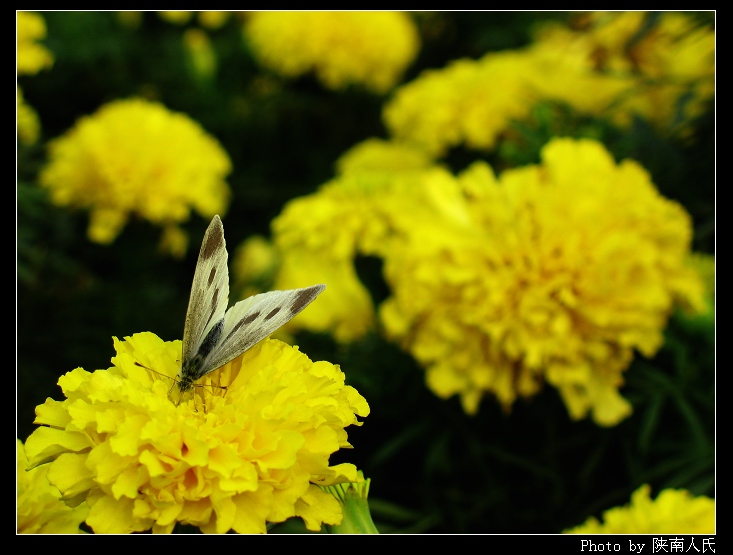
111, 516
127, 483
249, 511
47, 443
168, 515
40, 508
338, 474
70, 474
318, 507
71, 381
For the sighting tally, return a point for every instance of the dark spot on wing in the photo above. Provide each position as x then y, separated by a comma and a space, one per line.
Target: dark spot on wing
214, 237
214, 304
302, 300
249, 319
275, 311
235, 329
212, 275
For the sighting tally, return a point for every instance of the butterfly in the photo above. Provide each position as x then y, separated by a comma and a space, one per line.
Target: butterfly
213, 335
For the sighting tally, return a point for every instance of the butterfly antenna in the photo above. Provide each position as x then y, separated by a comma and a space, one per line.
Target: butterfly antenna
175, 381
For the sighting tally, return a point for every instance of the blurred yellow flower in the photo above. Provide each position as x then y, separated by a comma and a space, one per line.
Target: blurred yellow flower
564, 69
704, 264
213, 20
200, 53
254, 265
554, 273
378, 155
294, 261
346, 311
135, 157
174, 241
40, 508
254, 261
224, 459
32, 57
663, 64
674, 511
614, 65
177, 17
677, 63
469, 101
210, 19
28, 125
371, 49
317, 237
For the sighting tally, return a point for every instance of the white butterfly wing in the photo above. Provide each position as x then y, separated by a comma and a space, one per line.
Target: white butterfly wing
249, 321
210, 290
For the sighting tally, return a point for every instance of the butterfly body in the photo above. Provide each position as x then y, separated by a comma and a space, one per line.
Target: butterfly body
213, 335
193, 368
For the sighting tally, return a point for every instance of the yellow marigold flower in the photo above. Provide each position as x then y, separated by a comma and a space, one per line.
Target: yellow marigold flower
612, 67
473, 102
223, 459
135, 157
31, 56
499, 284
364, 48
346, 312
28, 125
553, 273
40, 508
317, 237
290, 262
470, 101
674, 511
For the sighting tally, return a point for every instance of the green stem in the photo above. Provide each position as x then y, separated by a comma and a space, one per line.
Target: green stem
353, 499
